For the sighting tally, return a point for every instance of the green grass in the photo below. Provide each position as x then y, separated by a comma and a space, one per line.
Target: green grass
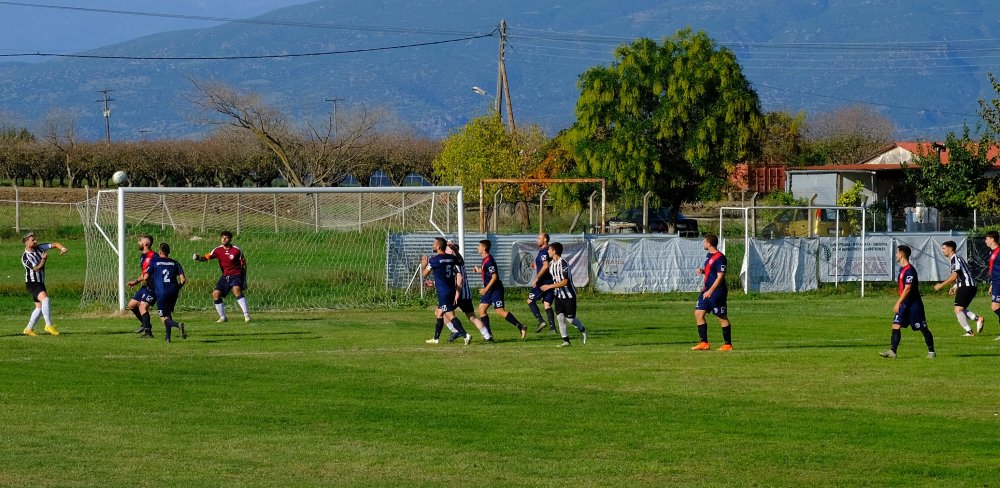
353, 398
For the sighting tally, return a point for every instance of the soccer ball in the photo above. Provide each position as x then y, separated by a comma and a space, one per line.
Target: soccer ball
120, 177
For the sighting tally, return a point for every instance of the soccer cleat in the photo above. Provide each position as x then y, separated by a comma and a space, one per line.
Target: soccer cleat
29, 332
431, 341
453, 336
968, 334
726, 347
584, 334
541, 327
246, 318
51, 329
980, 323
564, 344
997, 339
184, 334
888, 354
702, 346
146, 335
524, 331
931, 355
140, 330
468, 339
222, 319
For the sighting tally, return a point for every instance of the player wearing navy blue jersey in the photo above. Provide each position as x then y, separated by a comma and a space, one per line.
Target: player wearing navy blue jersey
492, 291
442, 266
143, 298
167, 278
564, 293
464, 293
909, 308
542, 278
713, 296
34, 258
993, 242
964, 289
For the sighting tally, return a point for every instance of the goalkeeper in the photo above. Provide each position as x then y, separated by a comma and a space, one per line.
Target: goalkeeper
234, 271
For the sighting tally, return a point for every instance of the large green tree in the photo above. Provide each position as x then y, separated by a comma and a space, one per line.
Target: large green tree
670, 117
990, 109
951, 186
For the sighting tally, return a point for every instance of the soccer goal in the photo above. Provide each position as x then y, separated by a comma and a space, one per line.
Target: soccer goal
306, 248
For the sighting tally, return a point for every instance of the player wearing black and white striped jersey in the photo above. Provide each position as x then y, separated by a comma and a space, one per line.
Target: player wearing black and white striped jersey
34, 258
964, 289
565, 293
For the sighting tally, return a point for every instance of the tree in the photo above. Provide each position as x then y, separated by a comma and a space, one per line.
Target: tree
990, 110
954, 185
848, 135
783, 138
671, 118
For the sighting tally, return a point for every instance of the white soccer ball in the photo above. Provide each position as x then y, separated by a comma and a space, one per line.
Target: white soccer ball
120, 177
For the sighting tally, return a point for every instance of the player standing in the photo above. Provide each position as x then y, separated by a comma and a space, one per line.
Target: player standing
542, 277
565, 293
964, 289
33, 259
143, 298
442, 265
234, 271
464, 301
168, 278
492, 291
909, 308
993, 242
713, 296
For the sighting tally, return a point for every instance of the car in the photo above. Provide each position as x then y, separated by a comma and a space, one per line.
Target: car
795, 223
630, 220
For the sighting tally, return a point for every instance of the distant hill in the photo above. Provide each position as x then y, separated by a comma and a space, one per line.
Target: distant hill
812, 56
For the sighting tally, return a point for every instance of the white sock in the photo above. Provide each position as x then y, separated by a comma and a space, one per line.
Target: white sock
450, 327
963, 321
972, 315
243, 305
34, 318
46, 313
561, 318
485, 333
221, 308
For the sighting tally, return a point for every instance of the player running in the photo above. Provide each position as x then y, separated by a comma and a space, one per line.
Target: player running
964, 289
464, 294
713, 296
34, 258
492, 291
909, 308
993, 242
234, 271
167, 278
542, 277
143, 298
565, 293
442, 265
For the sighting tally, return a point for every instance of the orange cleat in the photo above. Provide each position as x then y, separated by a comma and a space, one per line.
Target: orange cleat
702, 346
726, 347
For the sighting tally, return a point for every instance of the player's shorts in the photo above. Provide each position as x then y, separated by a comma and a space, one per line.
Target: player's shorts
465, 305
446, 300
35, 289
912, 316
715, 304
165, 304
536, 293
493, 297
565, 306
144, 294
964, 296
995, 297
227, 282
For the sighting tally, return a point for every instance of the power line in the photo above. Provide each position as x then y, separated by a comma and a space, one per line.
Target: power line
866, 102
261, 56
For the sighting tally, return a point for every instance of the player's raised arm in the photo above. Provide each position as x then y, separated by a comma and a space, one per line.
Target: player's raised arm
425, 268
62, 249
203, 257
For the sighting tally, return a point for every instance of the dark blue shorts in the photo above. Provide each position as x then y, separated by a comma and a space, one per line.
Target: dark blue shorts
715, 304
446, 300
536, 293
165, 304
912, 316
995, 294
494, 297
144, 294
227, 282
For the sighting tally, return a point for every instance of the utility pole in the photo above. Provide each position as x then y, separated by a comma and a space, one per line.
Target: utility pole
503, 89
333, 119
107, 113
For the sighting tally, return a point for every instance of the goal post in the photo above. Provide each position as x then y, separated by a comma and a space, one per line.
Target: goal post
307, 248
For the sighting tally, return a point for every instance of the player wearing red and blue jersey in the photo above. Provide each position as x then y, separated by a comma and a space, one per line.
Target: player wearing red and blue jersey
909, 308
492, 291
144, 297
713, 296
167, 278
464, 293
542, 277
442, 266
233, 264
993, 242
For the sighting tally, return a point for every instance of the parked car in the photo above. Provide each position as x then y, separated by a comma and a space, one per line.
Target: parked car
795, 223
630, 220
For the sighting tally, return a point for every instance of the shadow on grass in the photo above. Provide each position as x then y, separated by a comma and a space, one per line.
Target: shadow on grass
251, 337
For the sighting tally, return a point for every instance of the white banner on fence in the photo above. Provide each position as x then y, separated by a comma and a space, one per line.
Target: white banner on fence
523, 258
840, 260
782, 264
647, 265
926, 257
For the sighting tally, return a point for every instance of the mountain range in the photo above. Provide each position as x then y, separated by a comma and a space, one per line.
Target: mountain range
921, 63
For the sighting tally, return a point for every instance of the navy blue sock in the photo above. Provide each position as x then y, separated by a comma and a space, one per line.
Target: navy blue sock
997, 311
928, 338
896, 334
703, 332
458, 326
727, 335
552, 317
533, 305
513, 320
137, 313
437, 328
146, 323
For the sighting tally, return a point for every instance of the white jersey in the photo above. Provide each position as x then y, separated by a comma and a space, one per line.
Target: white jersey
560, 270
959, 266
30, 259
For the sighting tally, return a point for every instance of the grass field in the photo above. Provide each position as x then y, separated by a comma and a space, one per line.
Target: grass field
353, 398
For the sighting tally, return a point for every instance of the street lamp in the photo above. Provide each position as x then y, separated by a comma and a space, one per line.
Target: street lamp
479, 91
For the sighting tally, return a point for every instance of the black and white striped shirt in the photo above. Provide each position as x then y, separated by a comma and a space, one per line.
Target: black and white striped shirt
560, 270
960, 267
30, 259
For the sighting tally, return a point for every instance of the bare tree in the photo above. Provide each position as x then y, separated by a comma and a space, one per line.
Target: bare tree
336, 148
849, 134
59, 133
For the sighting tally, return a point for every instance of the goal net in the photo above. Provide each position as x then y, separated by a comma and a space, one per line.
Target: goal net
306, 248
